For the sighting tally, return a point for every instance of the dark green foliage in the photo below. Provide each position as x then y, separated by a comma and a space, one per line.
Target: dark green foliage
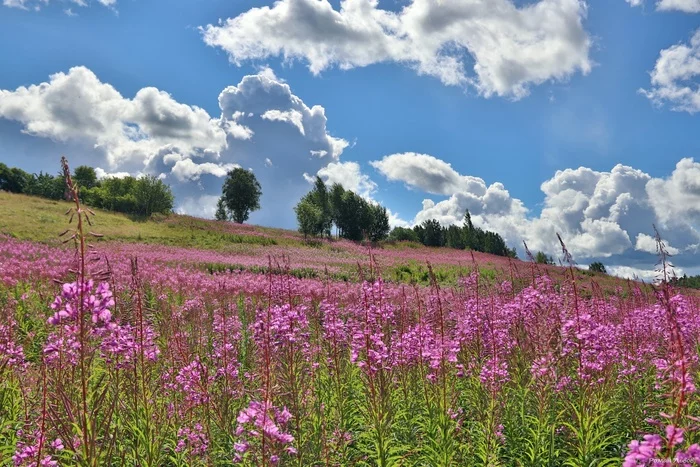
454, 238
13, 179
336, 201
309, 217
403, 234
152, 196
542, 258
221, 214
241, 193
379, 223
597, 266
143, 196
85, 176
431, 233
321, 199
692, 282
46, 186
354, 217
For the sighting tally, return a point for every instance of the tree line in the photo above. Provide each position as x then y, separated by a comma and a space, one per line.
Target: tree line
141, 196
692, 282
321, 209
464, 237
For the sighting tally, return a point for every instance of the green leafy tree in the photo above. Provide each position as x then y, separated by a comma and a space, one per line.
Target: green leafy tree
113, 194
241, 194
152, 196
379, 223
353, 216
85, 176
542, 258
13, 179
309, 218
432, 233
455, 238
335, 195
46, 186
403, 234
221, 213
321, 199
597, 266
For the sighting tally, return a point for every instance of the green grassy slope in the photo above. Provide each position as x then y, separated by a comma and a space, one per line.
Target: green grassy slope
39, 219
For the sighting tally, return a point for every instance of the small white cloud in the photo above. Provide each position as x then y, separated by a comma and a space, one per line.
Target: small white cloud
268, 162
318, 154
427, 173
674, 79
101, 173
188, 170
686, 6
647, 243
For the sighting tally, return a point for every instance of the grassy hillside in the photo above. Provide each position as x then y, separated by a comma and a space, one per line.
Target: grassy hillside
40, 220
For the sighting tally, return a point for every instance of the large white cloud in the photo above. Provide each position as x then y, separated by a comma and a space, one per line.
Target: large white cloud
77, 106
511, 47
597, 213
262, 126
676, 75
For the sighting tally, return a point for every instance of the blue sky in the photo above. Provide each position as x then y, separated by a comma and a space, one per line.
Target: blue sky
428, 107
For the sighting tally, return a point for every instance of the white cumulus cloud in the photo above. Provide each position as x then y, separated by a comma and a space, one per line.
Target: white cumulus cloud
597, 213
647, 243
510, 47
675, 77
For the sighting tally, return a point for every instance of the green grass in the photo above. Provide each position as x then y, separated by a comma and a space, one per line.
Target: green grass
38, 219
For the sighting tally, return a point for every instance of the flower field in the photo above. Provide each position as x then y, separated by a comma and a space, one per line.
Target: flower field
132, 354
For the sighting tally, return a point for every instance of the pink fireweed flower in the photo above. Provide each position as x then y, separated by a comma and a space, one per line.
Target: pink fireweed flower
27, 454
125, 344
63, 346
193, 440
11, 354
651, 450
263, 420
193, 380
96, 302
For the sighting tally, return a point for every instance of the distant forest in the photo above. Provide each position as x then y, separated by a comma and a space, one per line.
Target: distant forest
141, 196
692, 282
